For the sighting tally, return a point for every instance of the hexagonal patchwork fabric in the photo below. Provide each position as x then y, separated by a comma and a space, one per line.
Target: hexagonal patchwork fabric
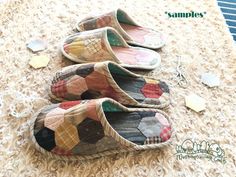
150, 90
94, 126
41, 117
46, 138
85, 70
97, 81
150, 127
72, 85
85, 133
89, 46
59, 89
155, 127
55, 132
54, 118
140, 127
62, 130
165, 133
66, 135
108, 79
93, 45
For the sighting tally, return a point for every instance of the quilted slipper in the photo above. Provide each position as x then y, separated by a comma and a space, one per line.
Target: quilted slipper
125, 25
106, 44
93, 128
108, 79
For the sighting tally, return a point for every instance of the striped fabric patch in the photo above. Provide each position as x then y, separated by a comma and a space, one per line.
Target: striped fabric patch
228, 8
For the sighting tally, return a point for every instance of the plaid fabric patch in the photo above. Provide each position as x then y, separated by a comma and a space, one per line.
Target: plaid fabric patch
93, 45
59, 88
66, 136
153, 140
165, 133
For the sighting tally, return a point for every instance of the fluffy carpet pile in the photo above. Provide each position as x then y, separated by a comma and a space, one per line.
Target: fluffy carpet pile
204, 45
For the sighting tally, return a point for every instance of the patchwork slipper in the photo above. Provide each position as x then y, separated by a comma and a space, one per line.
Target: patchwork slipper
106, 44
94, 128
125, 25
108, 79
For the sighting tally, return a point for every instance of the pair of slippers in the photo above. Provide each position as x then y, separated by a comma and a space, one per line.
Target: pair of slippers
107, 37
91, 121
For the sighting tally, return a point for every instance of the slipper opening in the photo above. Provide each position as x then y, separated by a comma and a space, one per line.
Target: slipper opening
134, 56
140, 36
145, 91
140, 127
74, 132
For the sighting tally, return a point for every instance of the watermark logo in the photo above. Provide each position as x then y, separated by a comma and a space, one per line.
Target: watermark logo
190, 14
204, 149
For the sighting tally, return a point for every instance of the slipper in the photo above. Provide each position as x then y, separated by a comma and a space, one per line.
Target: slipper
108, 79
107, 44
94, 128
133, 33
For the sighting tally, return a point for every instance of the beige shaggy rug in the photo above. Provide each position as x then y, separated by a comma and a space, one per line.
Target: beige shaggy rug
204, 45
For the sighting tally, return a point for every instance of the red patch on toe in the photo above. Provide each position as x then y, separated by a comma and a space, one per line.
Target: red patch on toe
68, 104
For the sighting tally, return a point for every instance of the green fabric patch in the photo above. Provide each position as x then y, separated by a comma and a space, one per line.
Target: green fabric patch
109, 107
122, 18
116, 70
113, 39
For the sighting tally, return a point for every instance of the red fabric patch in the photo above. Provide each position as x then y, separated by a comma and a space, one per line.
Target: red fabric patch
151, 90
59, 89
68, 104
165, 133
60, 151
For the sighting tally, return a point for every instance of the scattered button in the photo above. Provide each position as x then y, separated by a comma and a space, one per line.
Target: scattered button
37, 45
39, 61
210, 80
195, 102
